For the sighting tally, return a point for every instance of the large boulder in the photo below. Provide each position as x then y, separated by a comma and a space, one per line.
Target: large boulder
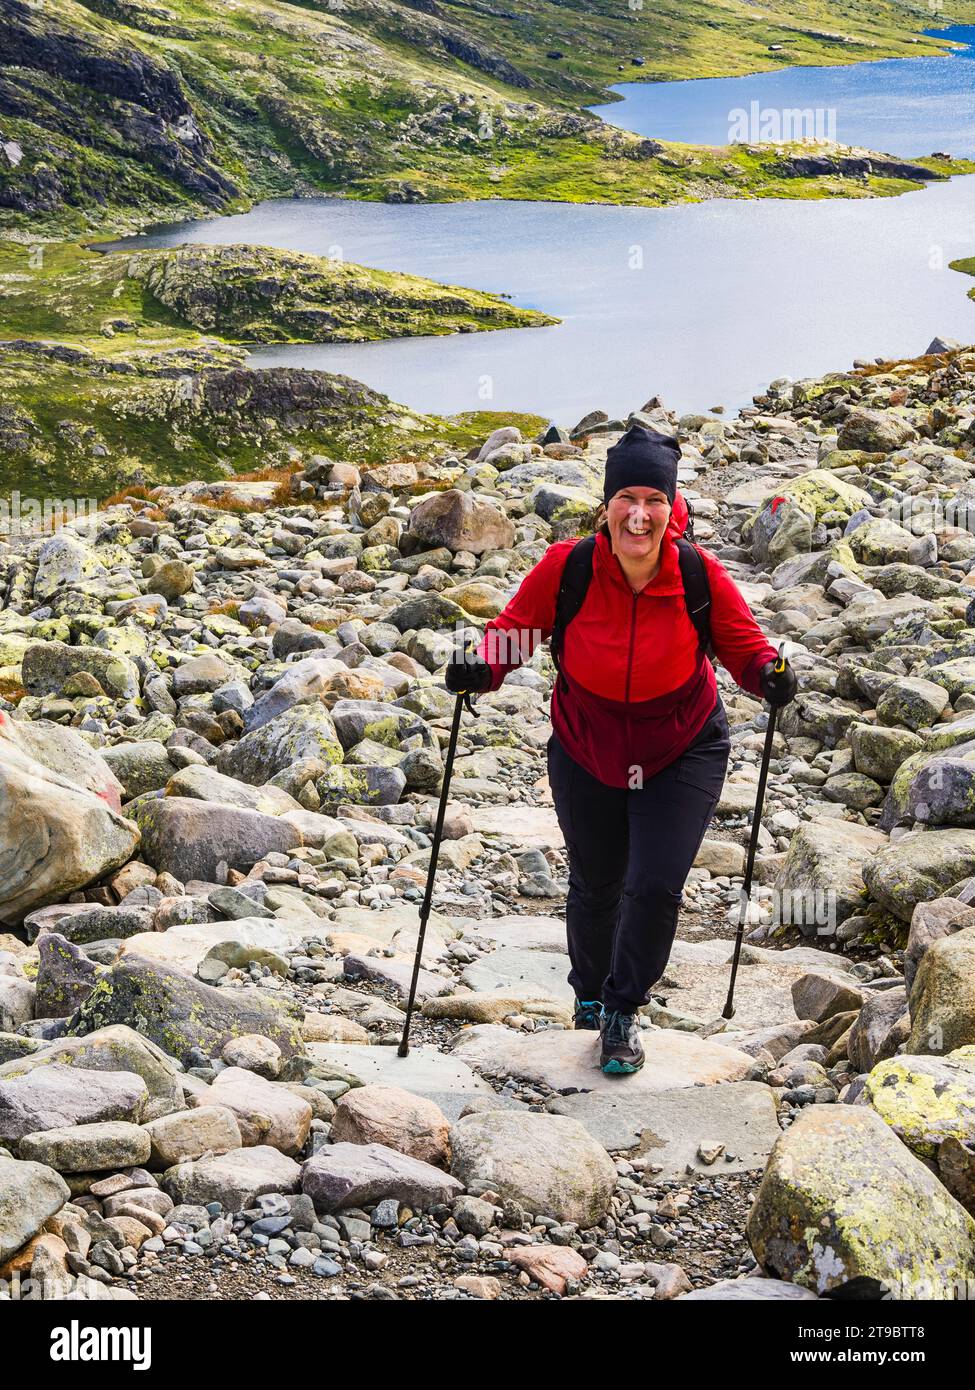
54, 837
181, 1014
266, 1111
845, 1207
550, 1164
191, 1134
205, 783
352, 1175
92, 1148
460, 521
304, 731
925, 1100
47, 665
65, 752
931, 922
827, 858
190, 839
234, 1179
55, 1096
393, 1117
65, 976
918, 868
881, 1026
141, 766
30, 1193
114, 1049
874, 431
943, 997
63, 560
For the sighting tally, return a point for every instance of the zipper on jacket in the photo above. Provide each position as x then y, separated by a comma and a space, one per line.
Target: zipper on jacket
629, 658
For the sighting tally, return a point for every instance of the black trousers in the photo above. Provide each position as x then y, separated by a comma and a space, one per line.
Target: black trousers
629, 855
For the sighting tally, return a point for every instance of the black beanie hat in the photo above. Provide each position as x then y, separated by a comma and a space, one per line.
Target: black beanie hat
642, 458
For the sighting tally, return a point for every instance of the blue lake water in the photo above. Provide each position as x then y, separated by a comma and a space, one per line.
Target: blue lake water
702, 304
905, 106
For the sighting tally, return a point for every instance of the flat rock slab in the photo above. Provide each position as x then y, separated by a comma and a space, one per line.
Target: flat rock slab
396, 971
562, 1058
531, 827
510, 967
427, 1072
670, 1127
185, 947
525, 933
743, 1290
763, 992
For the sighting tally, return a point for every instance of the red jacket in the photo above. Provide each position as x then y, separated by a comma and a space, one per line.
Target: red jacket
635, 689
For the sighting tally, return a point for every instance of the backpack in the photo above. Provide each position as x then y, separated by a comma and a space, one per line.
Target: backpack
577, 575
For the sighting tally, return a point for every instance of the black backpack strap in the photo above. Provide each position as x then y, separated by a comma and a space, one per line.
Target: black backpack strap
573, 587
697, 591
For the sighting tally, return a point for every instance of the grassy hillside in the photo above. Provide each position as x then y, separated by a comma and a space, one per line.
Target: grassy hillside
244, 294
113, 112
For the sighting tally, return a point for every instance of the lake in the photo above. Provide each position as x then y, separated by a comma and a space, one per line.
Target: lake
702, 304
909, 107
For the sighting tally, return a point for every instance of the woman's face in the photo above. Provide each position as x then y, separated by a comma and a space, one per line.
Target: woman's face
637, 518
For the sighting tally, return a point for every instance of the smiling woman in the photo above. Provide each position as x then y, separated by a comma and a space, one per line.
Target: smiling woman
640, 741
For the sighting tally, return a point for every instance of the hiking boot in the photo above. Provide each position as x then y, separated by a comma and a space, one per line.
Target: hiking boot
588, 1013
621, 1051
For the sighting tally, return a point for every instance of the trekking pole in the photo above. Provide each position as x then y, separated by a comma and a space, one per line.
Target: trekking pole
746, 890
463, 698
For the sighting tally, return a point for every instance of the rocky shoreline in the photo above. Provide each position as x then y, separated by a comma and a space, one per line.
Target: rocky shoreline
222, 723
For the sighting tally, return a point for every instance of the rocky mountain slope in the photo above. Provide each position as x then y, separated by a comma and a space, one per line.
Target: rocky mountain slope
222, 739
116, 112
244, 294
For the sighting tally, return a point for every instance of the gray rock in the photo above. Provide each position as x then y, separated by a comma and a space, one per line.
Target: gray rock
55, 1096
548, 1163
354, 1175
30, 1193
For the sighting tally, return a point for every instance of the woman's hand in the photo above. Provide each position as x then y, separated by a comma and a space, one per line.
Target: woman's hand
467, 673
778, 687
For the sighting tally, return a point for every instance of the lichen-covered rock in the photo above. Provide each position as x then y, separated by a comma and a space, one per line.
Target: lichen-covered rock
874, 431
926, 1100
918, 868
118, 1048
179, 1013
65, 977
943, 996
550, 1164
48, 665
912, 702
844, 1205
54, 836
930, 922
828, 857
304, 731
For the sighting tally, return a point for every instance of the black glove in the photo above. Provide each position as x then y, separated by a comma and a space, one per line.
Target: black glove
778, 687
467, 673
